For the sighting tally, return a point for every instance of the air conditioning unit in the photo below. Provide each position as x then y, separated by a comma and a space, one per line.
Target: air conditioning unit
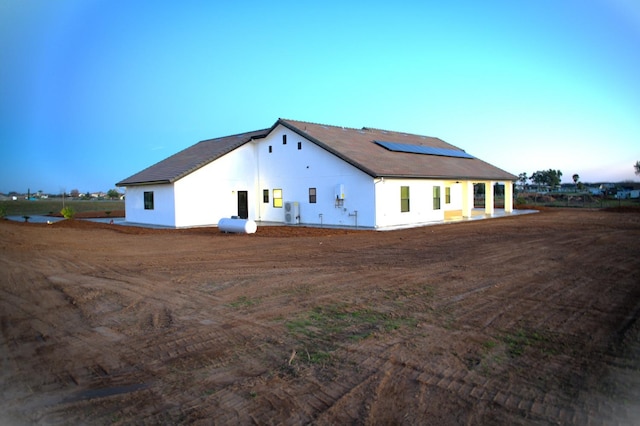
291, 212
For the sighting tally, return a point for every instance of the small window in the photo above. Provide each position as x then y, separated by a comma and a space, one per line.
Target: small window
270, 149
312, 195
265, 195
284, 139
436, 198
447, 195
277, 198
148, 200
404, 198
299, 145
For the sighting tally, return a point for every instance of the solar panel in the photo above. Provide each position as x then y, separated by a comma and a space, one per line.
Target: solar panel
421, 149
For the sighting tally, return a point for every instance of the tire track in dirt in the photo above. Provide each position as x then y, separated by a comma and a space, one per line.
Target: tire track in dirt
488, 342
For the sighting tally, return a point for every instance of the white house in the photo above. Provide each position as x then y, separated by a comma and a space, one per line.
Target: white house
306, 173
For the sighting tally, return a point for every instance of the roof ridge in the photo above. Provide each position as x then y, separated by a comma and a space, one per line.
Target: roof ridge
321, 124
236, 135
364, 128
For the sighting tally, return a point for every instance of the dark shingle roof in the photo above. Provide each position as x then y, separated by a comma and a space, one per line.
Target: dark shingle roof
355, 146
189, 160
358, 147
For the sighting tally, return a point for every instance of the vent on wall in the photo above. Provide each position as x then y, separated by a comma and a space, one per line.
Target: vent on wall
291, 212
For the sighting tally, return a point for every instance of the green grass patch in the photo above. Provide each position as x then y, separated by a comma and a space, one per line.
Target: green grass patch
523, 340
244, 302
319, 357
498, 352
323, 329
489, 345
54, 205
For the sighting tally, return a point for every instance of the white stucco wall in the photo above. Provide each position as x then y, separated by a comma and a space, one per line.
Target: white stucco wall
388, 201
210, 193
456, 196
163, 210
296, 170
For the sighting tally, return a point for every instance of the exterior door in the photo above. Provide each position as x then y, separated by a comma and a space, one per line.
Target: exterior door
243, 205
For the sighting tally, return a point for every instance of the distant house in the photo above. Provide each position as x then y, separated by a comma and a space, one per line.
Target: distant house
593, 190
305, 173
626, 193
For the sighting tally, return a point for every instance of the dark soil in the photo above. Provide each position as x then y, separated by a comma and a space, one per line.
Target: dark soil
527, 319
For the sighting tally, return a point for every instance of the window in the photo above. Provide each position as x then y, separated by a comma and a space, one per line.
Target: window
312, 195
299, 145
404, 198
265, 195
148, 200
436, 198
284, 139
447, 195
270, 149
277, 198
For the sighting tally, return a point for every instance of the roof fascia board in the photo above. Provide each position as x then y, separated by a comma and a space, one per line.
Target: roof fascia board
149, 183
473, 178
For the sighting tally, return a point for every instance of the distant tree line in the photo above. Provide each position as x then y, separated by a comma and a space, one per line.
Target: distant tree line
549, 178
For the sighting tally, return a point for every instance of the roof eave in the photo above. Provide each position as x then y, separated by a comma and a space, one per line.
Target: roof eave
472, 178
124, 183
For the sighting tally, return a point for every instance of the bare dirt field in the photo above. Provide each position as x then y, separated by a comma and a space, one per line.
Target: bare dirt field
521, 320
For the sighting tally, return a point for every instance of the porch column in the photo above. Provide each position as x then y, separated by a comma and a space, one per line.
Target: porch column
488, 198
508, 197
467, 198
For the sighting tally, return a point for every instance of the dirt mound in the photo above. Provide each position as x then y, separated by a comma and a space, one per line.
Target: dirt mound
89, 225
263, 231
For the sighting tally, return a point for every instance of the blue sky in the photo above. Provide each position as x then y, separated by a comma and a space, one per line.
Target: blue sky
94, 91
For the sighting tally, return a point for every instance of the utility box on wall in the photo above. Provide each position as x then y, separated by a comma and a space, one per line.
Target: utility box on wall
291, 212
339, 195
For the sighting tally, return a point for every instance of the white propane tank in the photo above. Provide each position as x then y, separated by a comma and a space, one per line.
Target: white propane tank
242, 226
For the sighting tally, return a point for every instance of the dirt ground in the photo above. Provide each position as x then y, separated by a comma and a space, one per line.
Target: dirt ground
520, 320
